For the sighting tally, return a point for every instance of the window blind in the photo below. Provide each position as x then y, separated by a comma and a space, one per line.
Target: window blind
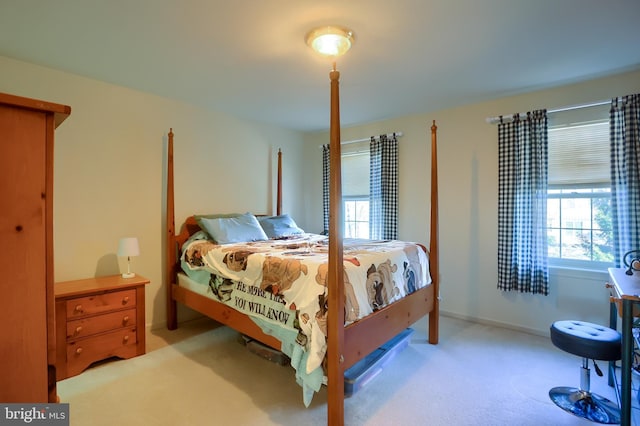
579, 152
355, 169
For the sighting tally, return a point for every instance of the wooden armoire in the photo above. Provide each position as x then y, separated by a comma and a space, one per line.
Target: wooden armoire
27, 338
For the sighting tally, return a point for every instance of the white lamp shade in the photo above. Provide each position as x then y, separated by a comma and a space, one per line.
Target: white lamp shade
128, 247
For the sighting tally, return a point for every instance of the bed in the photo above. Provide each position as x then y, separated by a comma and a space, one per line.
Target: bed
345, 344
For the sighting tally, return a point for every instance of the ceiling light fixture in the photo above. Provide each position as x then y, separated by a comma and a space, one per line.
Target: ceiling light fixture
330, 41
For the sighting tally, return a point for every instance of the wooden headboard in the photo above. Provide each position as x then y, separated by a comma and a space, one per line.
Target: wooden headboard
187, 229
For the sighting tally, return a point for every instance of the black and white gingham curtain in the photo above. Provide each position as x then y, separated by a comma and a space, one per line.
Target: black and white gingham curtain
522, 204
383, 188
624, 121
325, 188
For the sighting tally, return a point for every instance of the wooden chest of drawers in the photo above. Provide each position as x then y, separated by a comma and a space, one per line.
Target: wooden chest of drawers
96, 319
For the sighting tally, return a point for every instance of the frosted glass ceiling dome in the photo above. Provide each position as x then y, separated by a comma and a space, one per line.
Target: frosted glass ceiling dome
330, 41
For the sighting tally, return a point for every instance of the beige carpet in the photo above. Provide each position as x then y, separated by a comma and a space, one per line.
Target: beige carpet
200, 375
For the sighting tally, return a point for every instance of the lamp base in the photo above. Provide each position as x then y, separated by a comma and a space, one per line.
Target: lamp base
128, 275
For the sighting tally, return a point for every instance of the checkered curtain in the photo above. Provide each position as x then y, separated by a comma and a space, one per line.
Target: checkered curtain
624, 121
325, 188
522, 204
383, 188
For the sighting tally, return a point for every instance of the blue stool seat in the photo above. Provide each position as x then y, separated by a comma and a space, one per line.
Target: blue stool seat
589, 341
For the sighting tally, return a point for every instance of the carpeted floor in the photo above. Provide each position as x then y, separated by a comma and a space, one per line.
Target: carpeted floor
200, 375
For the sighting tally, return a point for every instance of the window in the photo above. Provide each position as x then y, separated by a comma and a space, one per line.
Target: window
356, 217
355, 189
579, 196
579, 224
369, 188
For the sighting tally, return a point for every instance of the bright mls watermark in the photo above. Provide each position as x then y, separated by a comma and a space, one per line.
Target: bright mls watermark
34, 414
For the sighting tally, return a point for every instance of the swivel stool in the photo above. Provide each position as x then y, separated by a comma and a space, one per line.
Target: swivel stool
591, 342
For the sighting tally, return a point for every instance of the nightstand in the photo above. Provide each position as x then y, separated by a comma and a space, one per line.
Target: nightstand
98, 318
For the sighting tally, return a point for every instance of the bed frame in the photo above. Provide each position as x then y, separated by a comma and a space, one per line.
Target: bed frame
346, 345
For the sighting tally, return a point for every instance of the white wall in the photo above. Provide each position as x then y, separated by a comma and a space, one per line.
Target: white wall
110, 177
468, 186
110, 182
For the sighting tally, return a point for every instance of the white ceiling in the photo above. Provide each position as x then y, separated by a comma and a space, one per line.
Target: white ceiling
248, 57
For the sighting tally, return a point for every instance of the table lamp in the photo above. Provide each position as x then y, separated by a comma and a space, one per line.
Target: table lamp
128, 247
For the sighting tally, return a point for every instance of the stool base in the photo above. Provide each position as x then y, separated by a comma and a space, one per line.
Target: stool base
585, 404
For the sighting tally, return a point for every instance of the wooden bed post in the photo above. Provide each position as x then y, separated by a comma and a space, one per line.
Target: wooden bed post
434, 315
172, 316
279, 198
335, 277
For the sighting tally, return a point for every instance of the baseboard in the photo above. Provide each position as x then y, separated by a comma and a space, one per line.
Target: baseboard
163, 324
492, 323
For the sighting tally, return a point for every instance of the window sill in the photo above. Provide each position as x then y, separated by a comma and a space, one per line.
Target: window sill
579, 273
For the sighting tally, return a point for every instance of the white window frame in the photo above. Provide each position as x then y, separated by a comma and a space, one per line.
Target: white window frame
355, 185
355, 221
577, 263
577, 118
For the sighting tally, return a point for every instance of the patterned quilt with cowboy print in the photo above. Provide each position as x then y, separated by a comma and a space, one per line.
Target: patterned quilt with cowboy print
283, 282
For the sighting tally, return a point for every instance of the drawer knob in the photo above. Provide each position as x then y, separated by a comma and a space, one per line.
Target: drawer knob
125, 300
78, 329
125, 320
125, 339
78, 309
79, 351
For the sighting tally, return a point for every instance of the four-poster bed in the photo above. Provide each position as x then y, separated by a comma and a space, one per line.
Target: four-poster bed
332, 306
345, 344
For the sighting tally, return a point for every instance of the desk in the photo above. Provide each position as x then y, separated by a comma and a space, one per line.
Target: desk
625, 291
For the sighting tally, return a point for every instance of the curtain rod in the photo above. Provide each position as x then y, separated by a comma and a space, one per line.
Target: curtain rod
495, 120
389, 135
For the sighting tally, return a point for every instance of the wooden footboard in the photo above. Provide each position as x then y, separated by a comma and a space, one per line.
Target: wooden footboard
223, 314
364, 336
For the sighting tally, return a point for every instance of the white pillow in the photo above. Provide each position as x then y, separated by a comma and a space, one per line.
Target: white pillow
238, 229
